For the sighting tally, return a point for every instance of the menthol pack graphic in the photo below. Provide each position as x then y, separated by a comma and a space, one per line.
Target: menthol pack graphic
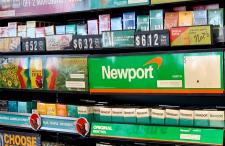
201, 118
172, 117
216, 119
105, 114
186, 117
158, 116
143, 116
96, 112
85, 112
130, 115
156, 19
117, 115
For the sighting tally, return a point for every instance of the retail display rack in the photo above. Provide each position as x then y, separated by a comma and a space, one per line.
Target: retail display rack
112, 72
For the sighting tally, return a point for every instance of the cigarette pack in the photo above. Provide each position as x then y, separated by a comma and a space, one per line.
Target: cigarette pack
129, 20
92, 27
185, 18
200, 17
143, 23
156, 19
171, 19
116, 23
104, 23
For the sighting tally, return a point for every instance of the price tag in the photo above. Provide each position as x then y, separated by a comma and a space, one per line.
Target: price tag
89, 42
157, 38
33, 44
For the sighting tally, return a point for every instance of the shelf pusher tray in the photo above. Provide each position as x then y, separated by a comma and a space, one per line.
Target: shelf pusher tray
164, 134
46, 123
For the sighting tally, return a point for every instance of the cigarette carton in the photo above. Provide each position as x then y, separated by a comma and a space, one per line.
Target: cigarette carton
71, 29
158, 116
186, 117
51, 109
201, 118
41, 108
60, 29
22, 34
105, 114
61, 110
216, 119
130, 115
85, 112
156, 19
116, 23
185, 18
12, 106
143, 116
143, 23
117, 115
72, 111
129, 20
24, 107
172, 117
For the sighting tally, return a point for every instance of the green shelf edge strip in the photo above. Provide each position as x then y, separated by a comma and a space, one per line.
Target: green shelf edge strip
171, 134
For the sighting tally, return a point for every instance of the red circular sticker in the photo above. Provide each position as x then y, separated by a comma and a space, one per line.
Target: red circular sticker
82, 126
35, 121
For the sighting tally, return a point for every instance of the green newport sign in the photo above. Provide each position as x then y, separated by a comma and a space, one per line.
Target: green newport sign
157, 73
159, 133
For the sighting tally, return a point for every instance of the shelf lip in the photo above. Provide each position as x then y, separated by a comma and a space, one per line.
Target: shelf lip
132, 50
154, 133
49, 123
44, 91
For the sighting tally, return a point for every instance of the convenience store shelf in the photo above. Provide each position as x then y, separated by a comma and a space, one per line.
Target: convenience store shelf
161, 134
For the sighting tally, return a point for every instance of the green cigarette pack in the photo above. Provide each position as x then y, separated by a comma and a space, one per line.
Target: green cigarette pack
143, 116
156, 19
130, 115
105, 114
85, 112
158, 116
186, 117
143, 23
72, 111
117, 115
96, 112
201, 118
216, 119
172, 117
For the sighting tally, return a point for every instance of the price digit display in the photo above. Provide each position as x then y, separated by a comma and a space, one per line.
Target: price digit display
156, 38
33, 44
88, 42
